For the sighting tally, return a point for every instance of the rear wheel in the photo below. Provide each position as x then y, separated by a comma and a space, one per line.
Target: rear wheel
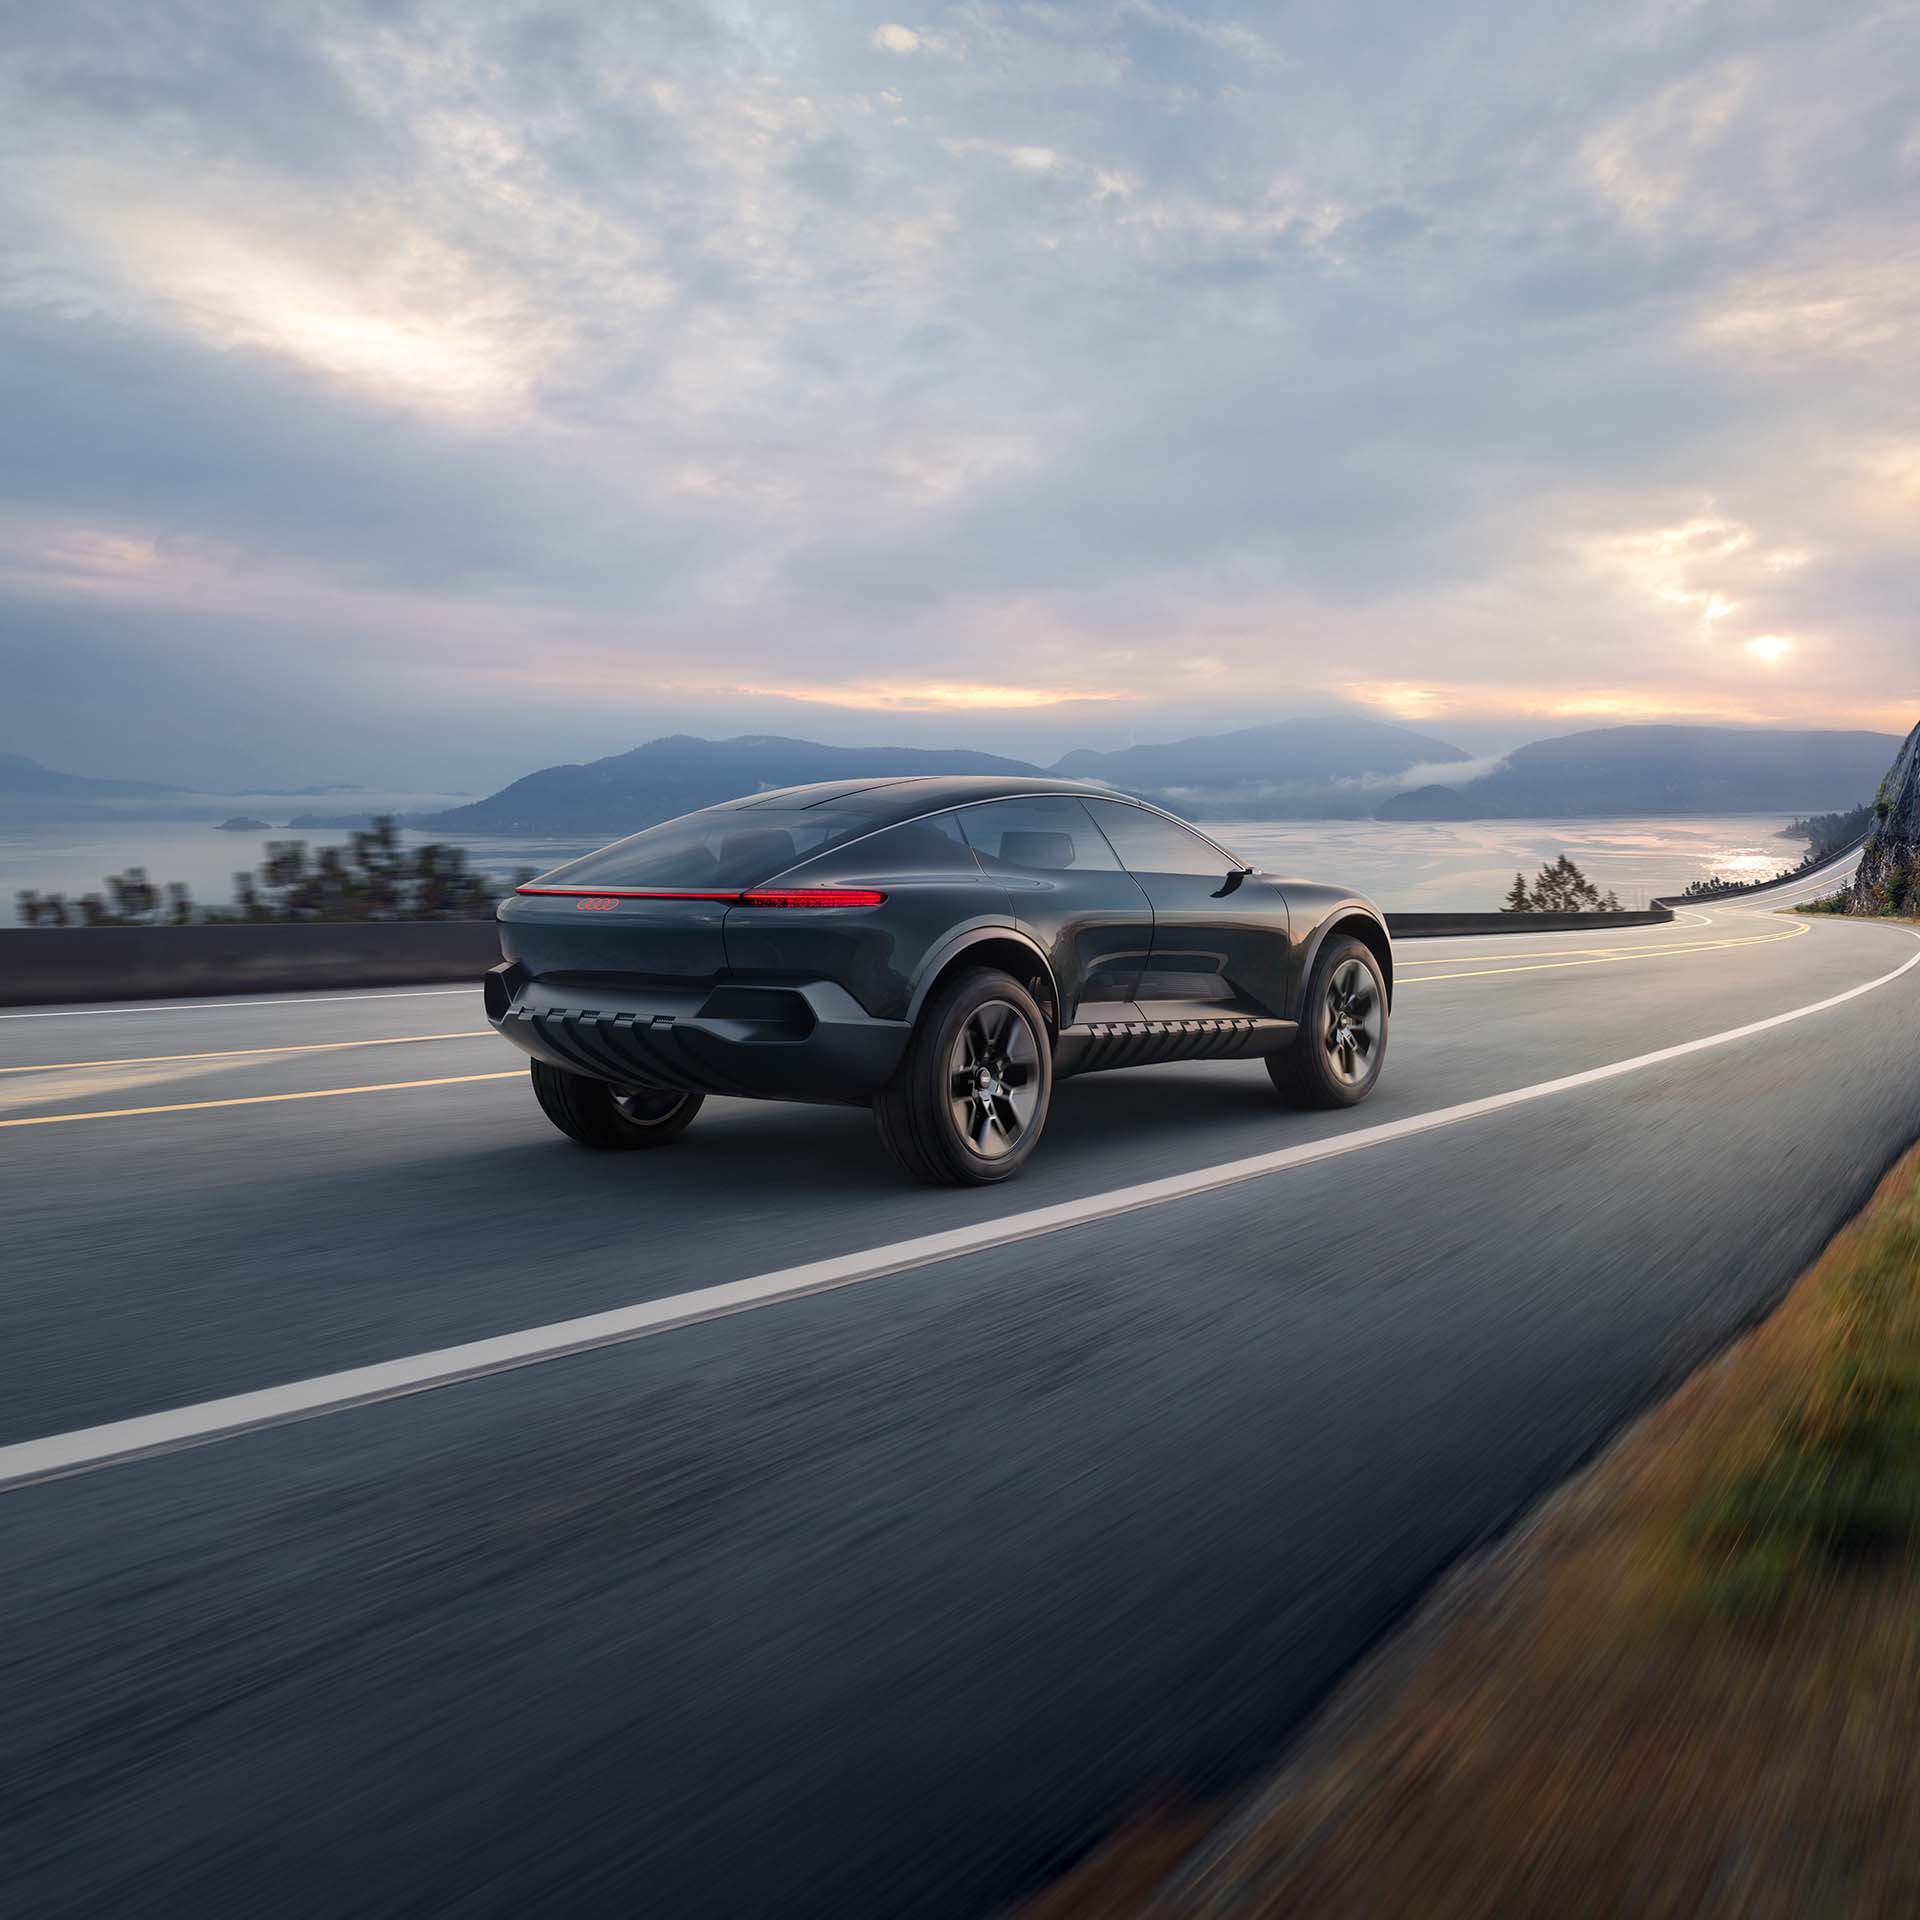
1335, 1057
969, 1101
604, 1117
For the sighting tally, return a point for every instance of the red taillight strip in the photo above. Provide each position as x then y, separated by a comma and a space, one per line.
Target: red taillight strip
762, 897
812, 897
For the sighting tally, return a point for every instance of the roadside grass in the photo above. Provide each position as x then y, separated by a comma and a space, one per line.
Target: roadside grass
1841, 904
1692, 1687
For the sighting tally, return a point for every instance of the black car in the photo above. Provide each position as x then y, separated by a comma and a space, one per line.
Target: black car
940, 949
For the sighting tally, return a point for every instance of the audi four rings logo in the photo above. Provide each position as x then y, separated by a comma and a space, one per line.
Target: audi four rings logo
595, 906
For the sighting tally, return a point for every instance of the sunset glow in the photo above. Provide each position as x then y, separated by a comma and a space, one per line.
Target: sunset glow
936, 696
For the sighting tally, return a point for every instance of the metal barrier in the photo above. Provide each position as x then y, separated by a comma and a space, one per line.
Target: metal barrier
42, 966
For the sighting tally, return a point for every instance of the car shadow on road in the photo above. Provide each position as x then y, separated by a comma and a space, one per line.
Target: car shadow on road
774, 1149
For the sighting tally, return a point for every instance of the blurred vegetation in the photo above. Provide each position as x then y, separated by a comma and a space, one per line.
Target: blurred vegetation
1832, 1487
1559, 887
1690, 1687
373, 877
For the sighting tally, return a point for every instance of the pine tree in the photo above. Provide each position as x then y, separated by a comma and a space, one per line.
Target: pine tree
1560, 888
1518, 900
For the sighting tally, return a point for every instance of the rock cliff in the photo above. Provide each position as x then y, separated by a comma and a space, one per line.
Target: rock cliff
1891, 862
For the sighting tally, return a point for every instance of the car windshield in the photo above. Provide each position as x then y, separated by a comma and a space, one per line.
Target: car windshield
718, 847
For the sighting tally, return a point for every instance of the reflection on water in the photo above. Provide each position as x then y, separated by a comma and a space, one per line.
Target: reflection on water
1470, 864
1408, 865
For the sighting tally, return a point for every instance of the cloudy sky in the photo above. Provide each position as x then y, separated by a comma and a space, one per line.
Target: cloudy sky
419, 390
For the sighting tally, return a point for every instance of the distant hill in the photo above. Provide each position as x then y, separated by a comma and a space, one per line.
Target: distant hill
31, 794
1427, 803
1300, 769
628, 791
1653, 770
1336, 767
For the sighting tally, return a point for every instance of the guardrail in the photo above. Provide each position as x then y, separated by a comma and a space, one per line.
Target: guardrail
1797, 878
41, 966
1433, 926
1658, 911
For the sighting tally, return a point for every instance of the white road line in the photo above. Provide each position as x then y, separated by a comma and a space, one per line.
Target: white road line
234, 1006
122, 1440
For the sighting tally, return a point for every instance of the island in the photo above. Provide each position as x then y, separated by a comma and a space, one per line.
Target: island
245, 823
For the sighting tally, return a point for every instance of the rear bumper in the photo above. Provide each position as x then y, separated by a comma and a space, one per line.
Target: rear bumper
809, 1040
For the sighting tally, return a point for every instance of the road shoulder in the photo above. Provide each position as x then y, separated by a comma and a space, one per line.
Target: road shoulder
1687, 1685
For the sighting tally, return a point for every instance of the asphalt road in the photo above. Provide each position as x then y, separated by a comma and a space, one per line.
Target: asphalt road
885, 1600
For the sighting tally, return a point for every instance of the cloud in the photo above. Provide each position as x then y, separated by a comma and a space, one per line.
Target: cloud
1445, 773
892, 38
427, 365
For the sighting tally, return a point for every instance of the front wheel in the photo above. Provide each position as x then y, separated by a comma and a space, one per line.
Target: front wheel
596, 1115
1335, 1057
968, 1103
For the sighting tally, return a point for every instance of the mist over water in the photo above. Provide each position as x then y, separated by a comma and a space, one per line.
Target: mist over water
1405, 865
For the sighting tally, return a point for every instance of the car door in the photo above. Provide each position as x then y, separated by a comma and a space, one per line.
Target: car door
1220, 933
1071, 895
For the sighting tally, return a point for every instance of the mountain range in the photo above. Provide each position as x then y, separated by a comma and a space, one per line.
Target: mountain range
31, 794
1655, 770
1336, 767
626, 791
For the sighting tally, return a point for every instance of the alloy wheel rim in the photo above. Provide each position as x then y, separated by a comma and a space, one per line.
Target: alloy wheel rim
644, 1109
1354, 1023
993, 1079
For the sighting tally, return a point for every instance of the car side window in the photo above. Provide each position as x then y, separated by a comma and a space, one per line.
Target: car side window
1151, 843
1052, 835
933, 845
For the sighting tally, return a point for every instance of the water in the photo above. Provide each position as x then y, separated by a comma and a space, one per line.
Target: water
1469, 865
1405, 865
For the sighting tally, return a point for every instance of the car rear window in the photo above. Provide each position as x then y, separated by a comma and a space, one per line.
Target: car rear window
718, 847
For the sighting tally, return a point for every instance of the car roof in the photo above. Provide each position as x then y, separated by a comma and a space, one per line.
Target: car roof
904, 796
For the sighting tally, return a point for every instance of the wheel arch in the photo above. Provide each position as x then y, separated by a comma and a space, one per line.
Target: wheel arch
1368, 928
1004, 947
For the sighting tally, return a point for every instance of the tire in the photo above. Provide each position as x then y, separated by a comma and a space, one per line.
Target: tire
969, 1101
593, 1114
1335, 1058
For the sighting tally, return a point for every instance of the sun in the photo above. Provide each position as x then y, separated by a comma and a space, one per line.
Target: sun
1771, 648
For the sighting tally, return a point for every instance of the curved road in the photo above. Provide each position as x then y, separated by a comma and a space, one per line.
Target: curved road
884, 1599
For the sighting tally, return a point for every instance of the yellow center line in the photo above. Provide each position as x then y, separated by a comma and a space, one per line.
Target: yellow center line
237, 1053
1609, 960
1406, 959
259, 1099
